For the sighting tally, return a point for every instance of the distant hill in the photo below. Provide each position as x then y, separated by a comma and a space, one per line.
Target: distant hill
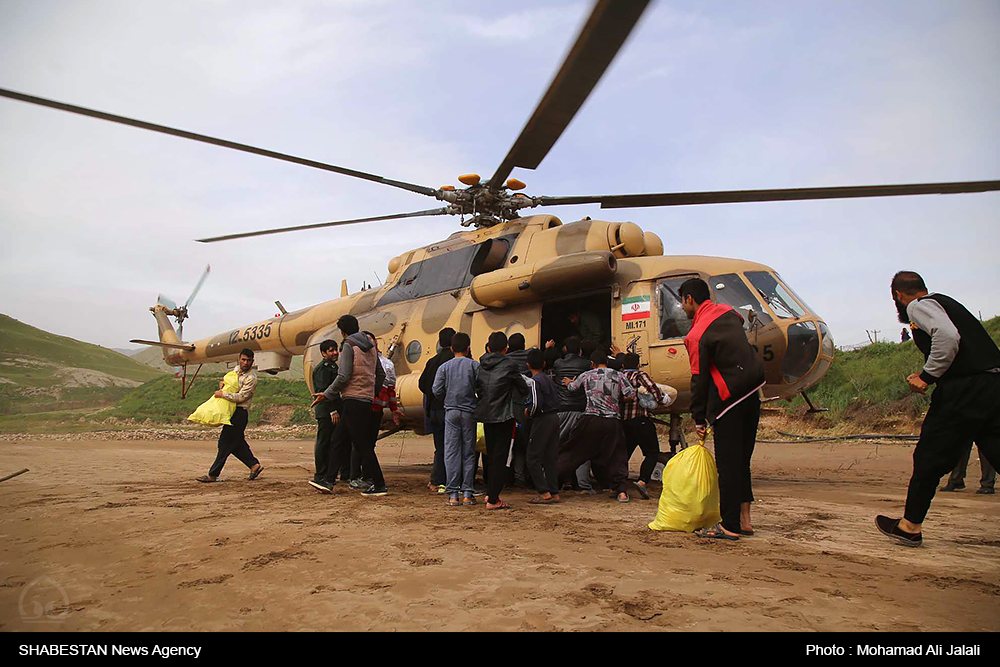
44, 371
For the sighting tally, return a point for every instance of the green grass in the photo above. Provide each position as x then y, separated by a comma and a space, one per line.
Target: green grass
160, 400
870, 383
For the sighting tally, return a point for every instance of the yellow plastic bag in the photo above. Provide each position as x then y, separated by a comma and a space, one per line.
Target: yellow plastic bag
218, 411
690, 496
480, 438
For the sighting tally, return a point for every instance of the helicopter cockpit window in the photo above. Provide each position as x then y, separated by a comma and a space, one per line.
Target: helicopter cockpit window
674, 323
775, 294
730, 289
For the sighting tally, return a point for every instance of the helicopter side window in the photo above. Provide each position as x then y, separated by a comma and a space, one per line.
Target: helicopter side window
674, 323
730, 289
448, 271
775, 294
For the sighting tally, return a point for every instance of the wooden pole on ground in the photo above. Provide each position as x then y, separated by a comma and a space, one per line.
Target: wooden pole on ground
19, 472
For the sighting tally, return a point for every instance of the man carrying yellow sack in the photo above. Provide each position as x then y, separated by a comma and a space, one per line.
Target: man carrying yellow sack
232, 439
726, 374
218, 411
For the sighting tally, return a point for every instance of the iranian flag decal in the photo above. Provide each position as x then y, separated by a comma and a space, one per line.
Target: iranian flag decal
635, 308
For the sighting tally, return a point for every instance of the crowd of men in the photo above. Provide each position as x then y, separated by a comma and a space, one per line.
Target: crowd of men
563, 415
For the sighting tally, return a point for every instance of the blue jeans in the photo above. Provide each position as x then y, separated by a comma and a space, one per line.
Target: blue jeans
460, 451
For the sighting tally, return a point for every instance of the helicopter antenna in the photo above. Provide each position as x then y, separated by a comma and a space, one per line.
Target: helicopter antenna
377, 278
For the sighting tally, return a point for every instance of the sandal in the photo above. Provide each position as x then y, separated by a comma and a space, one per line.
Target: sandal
499, 506
642, 490
469, 501
746, 533
715, 532
255, 474
540, 500
206, 479
453, 502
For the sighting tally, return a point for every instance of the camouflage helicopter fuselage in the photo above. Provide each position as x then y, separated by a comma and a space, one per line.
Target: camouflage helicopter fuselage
500, 278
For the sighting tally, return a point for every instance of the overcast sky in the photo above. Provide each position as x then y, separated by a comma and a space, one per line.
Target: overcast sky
98, 218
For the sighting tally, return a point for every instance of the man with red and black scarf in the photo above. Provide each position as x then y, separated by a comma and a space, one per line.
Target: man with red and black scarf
725, 376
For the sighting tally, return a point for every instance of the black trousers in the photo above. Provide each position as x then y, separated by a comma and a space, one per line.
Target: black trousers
233, 441
358, 470
518, 473
599, 440
354, 429
324, 434
735, 437
499, 440
962, 410
543, 452
641, 432
435, 424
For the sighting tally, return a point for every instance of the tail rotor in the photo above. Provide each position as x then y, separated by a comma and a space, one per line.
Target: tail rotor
180, 313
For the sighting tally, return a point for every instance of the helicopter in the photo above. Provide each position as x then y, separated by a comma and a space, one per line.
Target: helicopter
529, 274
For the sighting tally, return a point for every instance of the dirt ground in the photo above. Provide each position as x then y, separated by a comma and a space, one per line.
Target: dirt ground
117, 535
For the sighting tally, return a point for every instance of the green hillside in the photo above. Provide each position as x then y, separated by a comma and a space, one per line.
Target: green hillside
43, 371
275, 401
869, 384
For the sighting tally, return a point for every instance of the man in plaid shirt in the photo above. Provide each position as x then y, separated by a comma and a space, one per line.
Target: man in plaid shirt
602, 442
638, 428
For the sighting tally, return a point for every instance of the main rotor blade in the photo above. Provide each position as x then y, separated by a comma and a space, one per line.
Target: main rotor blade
787, 194
278, 230
201, 281
600, 39
31, 99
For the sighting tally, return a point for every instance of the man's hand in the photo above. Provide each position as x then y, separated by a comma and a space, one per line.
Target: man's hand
218, 394
917, 386
615, 350
567, 381
317, 398
395, 417
335, 417
222, 384
550, 343
701, 430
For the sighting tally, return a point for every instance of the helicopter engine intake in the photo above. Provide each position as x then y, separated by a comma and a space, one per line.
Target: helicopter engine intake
542, 279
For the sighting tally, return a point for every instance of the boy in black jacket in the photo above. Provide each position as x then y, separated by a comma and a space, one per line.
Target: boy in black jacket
725, 376
500, 389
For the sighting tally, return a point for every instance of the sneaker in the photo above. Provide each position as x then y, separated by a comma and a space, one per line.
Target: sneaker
359, 484
442, 489
375, 491
322, 485
953, 487
478, 494
986, 491
890, 527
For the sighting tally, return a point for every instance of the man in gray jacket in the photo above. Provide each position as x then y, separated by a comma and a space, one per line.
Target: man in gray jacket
359, 378
455, 383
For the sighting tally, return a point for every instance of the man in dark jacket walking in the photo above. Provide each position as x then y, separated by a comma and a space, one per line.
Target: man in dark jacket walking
501, 390
327, 412
725, 376
964, 363
434, 410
